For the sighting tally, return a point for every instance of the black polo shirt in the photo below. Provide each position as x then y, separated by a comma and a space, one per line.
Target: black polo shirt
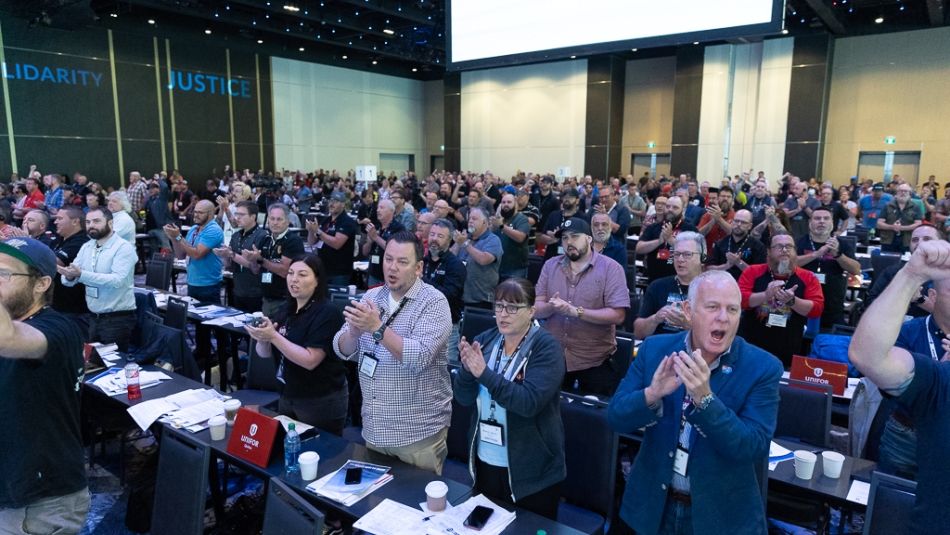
69, 299
339, 261
289, 245
448, 276
376, 252
833, 279
41, 451
658, 263
313, 327
662, 292
246, 282
750, 250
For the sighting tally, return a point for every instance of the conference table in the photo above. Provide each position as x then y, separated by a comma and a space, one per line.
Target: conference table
407, 486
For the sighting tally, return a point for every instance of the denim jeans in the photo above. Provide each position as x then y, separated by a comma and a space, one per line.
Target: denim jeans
898, 450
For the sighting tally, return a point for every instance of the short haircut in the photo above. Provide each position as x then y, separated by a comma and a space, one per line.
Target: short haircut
280, 206
43, 215
106, 214
694, 237
6, 212
404, 236
710, 276
726, 189
821, 209
74, 212
570, 192
250, 206
478, 209
517, 291
444, 223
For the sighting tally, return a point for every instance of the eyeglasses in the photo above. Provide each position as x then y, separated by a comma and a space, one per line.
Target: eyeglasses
6, 274
784, 247
508, 309
685, 255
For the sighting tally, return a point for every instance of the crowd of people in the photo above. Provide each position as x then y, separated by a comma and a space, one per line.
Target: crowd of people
733, 272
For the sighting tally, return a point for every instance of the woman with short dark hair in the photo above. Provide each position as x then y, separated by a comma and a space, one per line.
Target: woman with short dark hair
301, 337
513, 374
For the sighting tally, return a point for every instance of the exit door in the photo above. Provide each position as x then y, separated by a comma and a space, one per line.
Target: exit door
884, 166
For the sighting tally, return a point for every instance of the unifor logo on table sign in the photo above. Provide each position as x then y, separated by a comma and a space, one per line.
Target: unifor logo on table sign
52, 74
194, 82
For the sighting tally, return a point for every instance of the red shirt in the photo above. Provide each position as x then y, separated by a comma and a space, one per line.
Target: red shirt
812, 290
33, 200
716, 233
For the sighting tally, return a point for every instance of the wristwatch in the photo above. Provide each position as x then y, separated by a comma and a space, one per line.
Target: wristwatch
704, 401
178, 238
378, 333
580, 312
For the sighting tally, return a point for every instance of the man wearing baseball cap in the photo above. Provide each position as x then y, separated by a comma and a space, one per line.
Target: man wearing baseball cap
42, 467
335, 237
583, 296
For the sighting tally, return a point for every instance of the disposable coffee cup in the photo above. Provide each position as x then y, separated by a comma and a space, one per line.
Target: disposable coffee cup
831, 463
231, 407
435, 496
309, 460
805, 464
218, 425
352, 289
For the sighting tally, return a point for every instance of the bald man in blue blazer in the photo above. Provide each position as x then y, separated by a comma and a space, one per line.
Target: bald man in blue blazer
708, 401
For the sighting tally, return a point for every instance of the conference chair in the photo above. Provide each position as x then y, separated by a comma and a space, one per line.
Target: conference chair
590, 451
262, 377
176, 314
890, 503
181, 485
286, 512
620, 360
157, 275
535, 264
882, 261
457, 443
804, 412
475, 321
632, 312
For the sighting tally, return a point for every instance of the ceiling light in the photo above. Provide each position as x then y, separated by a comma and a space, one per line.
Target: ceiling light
151, 21
387, 31
573, 57
375, 62
784, 31
633, 49
114, 15
695, 42
260, 41
344, 56
301, 49
292, 8
207, 31
415, 69
878, 20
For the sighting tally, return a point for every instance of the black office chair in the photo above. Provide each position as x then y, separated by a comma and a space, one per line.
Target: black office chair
890, 503
458, 445
261, 372
475, 321
158, 275
804, 413
590, 450
622, 357
181, 485
882, 261
632, 312
287, 512
837, 328
535, 264
176, 314
850, 240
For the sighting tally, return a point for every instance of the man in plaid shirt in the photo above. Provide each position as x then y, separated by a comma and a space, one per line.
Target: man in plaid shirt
136, 191
398, 334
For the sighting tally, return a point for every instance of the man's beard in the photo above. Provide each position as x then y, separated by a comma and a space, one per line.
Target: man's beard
783, 267
507, 212
435, 249
97, 234
601, 236
19, 303
670, 217
577, 254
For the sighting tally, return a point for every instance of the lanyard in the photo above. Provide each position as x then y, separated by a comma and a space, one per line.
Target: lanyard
392, 318
197, 234
496, 360
431, 267
739, 246
930, 339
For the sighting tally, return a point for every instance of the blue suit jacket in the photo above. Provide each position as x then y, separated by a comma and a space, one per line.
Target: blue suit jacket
729, 438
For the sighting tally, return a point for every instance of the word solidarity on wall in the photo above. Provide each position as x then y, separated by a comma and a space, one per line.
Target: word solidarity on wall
51, 74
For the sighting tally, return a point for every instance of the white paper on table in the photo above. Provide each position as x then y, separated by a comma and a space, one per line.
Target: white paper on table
425, 508
299, 426
147, 412
452, 521
391, 518
776, 450
859, 492
196, 414
346, 499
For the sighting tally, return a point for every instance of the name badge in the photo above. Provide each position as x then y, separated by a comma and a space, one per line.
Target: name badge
777, 320
821, 277
267, 277
491, 432
368, 364
374, 259
560, 249
92, 292
680, 461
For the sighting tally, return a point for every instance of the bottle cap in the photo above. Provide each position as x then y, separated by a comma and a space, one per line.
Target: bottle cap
291, 426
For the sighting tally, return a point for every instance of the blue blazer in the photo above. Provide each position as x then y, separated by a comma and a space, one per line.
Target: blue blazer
729, 438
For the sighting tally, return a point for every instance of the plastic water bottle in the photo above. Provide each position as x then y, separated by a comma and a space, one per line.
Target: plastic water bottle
291, 450
133, 389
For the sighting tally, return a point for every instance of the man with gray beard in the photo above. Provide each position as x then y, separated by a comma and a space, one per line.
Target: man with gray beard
777, 299
446, 273
603, 242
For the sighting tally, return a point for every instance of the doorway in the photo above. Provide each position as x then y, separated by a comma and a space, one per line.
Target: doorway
436, 161
396, 163
655, 164
884, 166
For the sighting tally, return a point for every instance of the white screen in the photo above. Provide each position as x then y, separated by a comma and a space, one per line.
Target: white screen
493, 28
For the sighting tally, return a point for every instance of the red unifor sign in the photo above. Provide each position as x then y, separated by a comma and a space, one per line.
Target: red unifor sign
255, 437
820, 372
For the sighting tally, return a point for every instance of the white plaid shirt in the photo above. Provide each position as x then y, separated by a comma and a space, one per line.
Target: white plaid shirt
405, 402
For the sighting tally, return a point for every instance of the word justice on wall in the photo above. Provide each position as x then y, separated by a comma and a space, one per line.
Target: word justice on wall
210, 84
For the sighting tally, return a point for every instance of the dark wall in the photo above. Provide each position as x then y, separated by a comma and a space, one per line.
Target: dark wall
63, 105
